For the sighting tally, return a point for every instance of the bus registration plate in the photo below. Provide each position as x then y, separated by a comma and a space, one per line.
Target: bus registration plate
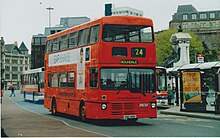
129, 116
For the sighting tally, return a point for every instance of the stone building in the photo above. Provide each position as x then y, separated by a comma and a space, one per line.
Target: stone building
15, 60
204, 23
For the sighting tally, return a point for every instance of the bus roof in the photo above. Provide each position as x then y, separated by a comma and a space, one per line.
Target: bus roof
196, 66
131, 20
201, 66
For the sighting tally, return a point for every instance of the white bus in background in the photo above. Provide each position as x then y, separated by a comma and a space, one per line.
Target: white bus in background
161, 85
32, 84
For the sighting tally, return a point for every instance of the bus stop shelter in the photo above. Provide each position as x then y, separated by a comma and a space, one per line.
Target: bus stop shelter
198, 86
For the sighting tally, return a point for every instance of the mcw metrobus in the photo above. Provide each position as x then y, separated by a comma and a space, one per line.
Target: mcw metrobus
103, 69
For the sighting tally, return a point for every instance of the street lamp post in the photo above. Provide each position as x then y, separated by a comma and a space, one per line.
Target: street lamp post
49, 9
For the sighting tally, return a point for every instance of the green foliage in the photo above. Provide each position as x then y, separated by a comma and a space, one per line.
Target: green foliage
164, 46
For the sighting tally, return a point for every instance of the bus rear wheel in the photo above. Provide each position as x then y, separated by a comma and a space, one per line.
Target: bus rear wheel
53, 108
83, 112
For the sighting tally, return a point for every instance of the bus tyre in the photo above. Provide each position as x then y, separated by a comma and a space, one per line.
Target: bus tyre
25, 96
33, 98
133, 120
83, 112
53, 108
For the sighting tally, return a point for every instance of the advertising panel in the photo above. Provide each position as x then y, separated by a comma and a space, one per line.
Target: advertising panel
191, 86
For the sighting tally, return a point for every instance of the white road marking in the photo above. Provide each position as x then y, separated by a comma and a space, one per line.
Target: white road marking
58, 120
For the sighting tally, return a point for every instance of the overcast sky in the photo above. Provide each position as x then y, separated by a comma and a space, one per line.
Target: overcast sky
20, 19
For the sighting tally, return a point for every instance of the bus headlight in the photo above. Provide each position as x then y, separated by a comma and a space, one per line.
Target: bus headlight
153, 105
104, 106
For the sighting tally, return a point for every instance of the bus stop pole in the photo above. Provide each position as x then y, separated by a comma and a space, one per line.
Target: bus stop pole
177, 93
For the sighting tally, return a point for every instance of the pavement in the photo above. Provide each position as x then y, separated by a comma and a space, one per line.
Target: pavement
16, 122
175, 110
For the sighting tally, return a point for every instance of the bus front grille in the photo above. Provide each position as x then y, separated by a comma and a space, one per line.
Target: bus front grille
122, 108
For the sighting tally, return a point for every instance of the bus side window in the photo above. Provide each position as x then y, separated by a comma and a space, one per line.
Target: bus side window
49, 46
54, 80
94, 34
93, 77
70, 80
63, 42
72, 41
55, 47
83, 37
63, 80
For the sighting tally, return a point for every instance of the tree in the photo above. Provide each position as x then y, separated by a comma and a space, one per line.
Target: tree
164, 46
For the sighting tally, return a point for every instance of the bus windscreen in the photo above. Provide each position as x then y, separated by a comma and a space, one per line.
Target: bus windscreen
127, 33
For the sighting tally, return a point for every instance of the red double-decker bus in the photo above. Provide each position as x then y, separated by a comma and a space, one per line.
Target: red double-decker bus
103, 69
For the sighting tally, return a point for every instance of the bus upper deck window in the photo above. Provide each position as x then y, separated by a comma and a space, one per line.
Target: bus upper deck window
127, 33
94, 34
73, 39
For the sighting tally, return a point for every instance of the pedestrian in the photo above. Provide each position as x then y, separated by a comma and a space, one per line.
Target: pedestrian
12, 90
205, 91
170, 94
2, 90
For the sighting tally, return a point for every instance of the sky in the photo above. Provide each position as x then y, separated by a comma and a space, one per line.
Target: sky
21, 19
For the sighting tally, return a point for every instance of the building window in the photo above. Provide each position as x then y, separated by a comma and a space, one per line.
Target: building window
213, 24
185, 16
14, 61
52, 32
14, 76
43, 41
194, 25
7, 68
36, 41
212, 15
194, 16
203, 37
203, 16
185, 25
202, 24
7, 61
15, 68
7, 76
